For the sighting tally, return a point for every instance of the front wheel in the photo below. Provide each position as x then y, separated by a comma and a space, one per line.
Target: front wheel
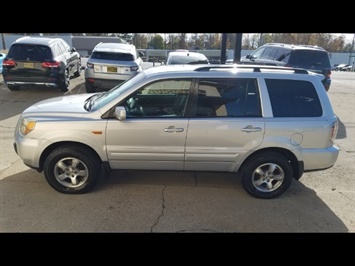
72, 169
267, 175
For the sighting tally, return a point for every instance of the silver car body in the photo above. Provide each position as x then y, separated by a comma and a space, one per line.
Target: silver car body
184, 143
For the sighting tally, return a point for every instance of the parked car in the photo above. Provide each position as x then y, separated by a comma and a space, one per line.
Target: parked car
110, 64
2, 56
180, 57
268, 125
40, 61
344, 67
312, 58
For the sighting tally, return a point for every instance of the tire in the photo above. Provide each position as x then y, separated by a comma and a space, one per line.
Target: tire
72, 169
89, 87
13, 87
64, 82
274, 166
77, 73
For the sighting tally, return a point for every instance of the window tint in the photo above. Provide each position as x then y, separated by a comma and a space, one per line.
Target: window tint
112, 56
30, 52
228, 98
165, 98
293, 98
307, 58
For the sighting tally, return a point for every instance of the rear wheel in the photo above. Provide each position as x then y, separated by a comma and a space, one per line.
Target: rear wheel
89, 87
13, 87
77, 73
72, 169
267, 175
64, 82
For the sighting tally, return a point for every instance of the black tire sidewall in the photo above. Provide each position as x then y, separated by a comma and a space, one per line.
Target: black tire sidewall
255, 162
84, 155
64, 82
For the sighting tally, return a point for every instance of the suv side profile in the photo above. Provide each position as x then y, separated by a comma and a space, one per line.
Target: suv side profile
266, 124
110, 64
41, 61
312, 58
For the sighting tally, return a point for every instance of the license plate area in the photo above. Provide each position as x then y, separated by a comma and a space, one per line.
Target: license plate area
28, 65
111, 69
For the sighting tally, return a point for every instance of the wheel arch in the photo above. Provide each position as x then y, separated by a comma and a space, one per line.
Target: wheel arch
297, 166
52, 147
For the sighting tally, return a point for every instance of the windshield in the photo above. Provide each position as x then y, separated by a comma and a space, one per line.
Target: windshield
112, 94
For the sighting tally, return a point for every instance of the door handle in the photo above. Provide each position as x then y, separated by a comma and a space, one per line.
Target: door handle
173, 129
250, 128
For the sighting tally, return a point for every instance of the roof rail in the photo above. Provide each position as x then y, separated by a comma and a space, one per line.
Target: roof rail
254, 67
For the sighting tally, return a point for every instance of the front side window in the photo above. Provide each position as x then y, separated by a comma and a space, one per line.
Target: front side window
165, 98
293, 98
236, 97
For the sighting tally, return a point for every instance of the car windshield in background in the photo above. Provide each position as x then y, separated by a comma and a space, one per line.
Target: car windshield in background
112, 56
188, 60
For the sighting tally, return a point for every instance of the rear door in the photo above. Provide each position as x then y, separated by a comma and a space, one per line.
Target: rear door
226, 124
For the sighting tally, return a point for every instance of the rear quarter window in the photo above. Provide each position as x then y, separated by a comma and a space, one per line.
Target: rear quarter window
293, 98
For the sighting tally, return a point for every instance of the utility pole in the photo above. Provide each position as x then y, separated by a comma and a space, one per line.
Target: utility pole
223, 48
3, 41
238, 47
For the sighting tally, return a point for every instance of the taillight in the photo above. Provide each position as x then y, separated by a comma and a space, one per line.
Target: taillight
334, 130
134, 68
52, 64
328, 73
89, 65
8, 63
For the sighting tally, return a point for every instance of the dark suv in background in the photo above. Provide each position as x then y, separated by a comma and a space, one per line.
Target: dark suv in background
312, 58
41, 61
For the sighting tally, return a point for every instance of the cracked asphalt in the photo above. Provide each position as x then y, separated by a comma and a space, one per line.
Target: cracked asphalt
176, 202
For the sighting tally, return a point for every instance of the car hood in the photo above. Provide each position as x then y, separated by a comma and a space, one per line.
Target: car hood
63, 105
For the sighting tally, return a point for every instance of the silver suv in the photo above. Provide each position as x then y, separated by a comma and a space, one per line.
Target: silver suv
111, 63
267, 124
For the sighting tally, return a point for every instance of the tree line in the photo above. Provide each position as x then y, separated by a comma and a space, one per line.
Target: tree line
205, 41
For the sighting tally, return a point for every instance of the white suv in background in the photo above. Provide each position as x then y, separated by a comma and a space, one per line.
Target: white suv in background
110, 64
181, 57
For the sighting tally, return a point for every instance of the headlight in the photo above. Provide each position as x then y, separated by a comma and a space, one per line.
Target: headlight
27, 126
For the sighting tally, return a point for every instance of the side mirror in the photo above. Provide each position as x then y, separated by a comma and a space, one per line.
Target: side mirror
120, 113
141, 54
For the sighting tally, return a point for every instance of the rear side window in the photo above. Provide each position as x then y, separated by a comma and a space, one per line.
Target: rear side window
293, 98
228, 98
30, 52
112, 56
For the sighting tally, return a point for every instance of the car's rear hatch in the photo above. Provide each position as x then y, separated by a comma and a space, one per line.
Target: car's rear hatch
29, 63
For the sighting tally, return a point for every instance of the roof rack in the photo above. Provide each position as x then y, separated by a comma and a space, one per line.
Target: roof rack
255, 68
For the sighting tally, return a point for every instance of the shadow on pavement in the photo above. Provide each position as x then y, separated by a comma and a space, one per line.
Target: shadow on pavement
160, 201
